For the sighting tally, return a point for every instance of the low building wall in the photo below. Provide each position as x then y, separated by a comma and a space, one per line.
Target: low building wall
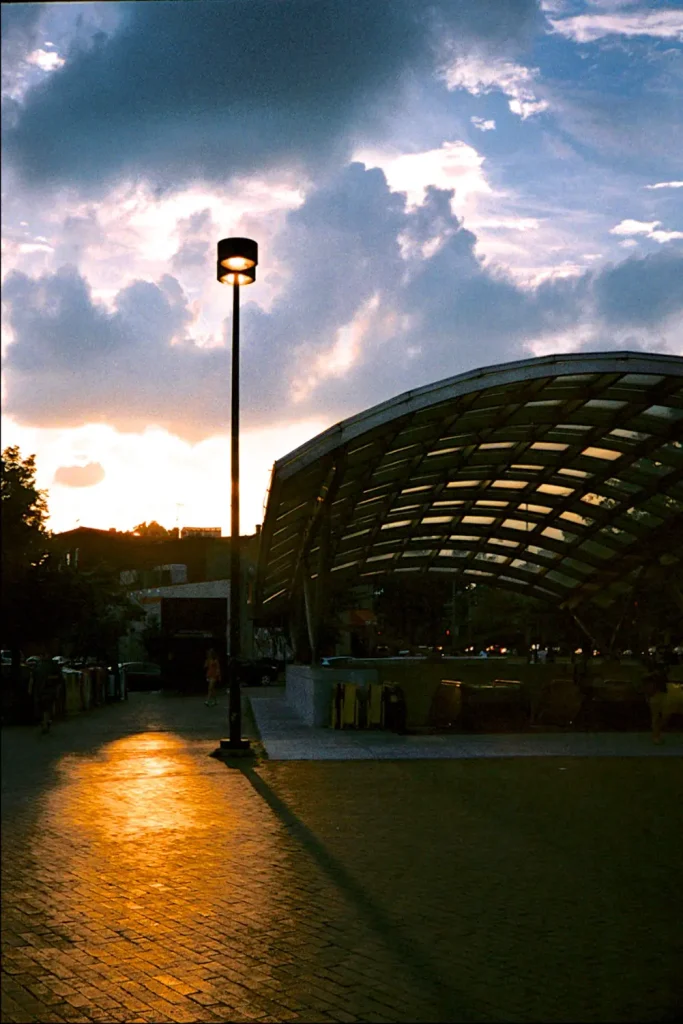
308, 689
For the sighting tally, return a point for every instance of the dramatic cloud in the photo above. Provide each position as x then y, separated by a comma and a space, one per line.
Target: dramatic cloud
80, 476
382, 297
434, 187
183, 92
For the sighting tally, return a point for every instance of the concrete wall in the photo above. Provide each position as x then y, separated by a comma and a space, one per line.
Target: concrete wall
308, 689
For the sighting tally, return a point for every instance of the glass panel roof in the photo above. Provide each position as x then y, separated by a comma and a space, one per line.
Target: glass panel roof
664, 412
462, 437
601, 453
518, 524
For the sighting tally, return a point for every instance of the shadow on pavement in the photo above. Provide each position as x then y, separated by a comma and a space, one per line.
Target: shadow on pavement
448, 1002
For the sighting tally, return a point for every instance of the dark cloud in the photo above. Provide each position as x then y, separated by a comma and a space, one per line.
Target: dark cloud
19, 25
641, 292
75, 361
204, 90
80, 476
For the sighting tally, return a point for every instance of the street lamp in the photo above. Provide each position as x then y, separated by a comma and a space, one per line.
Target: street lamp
237, 260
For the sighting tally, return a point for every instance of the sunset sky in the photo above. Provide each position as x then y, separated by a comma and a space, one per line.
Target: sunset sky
433, 187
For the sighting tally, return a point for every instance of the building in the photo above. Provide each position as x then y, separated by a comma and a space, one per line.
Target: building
558, 477
193, 568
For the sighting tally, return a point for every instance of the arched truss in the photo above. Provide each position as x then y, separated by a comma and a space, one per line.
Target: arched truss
558, 477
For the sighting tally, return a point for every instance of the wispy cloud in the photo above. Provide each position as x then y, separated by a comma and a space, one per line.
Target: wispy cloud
482, 124
650, 229
479, 75
587, 28
665, 184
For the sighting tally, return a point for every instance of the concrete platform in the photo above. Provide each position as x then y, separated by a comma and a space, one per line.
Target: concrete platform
286, 738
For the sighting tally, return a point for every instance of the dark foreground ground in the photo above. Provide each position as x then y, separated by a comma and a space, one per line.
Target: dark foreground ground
145, 881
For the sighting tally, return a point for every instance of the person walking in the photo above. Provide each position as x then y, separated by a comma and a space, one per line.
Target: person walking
45, 681
213, 676
655, 684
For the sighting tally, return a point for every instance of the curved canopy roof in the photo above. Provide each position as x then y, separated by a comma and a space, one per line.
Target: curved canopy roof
557, 477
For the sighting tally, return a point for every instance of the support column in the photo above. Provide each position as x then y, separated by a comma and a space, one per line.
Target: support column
310, 610
322, 583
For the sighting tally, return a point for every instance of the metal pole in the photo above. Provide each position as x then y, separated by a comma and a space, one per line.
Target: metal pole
235, 564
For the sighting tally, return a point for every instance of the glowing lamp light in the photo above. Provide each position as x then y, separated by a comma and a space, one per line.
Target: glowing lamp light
238, 254
245, 276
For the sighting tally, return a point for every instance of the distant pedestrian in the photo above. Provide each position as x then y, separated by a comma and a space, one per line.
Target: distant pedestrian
45, 682
213, 676
655, 684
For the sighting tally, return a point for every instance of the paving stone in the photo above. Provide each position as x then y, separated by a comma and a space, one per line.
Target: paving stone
146, 881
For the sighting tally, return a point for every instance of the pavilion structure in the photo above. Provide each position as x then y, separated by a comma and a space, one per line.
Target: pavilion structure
559, 477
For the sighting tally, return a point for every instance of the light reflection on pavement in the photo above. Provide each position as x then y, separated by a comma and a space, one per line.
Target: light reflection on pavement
145, 881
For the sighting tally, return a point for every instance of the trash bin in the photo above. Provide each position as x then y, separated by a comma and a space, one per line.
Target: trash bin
73, 702
111, 685
98, 676
86, 689
446, 708
345, 706
395, 710
374, 717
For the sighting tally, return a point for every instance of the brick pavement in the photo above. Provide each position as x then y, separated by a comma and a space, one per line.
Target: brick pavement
145, 881
286, 738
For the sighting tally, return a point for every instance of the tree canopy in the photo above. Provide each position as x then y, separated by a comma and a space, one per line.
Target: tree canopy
153, 530
24, 514
44, 602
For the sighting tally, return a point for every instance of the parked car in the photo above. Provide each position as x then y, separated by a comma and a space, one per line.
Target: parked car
259, 671
140, 675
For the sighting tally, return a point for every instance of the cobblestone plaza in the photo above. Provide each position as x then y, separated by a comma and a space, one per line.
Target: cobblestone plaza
145, 881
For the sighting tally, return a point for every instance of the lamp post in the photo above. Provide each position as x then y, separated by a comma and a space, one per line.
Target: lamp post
237, 260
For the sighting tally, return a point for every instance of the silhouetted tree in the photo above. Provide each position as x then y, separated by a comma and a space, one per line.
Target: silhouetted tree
153, 530
24, 514
44, 602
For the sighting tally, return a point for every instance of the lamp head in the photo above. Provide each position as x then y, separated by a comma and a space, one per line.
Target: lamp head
237, 253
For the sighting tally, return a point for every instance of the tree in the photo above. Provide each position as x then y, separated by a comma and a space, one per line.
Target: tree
153, 531
24, 545
24, 515
44, 602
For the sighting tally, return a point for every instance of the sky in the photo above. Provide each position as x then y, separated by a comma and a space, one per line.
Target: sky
434, 187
